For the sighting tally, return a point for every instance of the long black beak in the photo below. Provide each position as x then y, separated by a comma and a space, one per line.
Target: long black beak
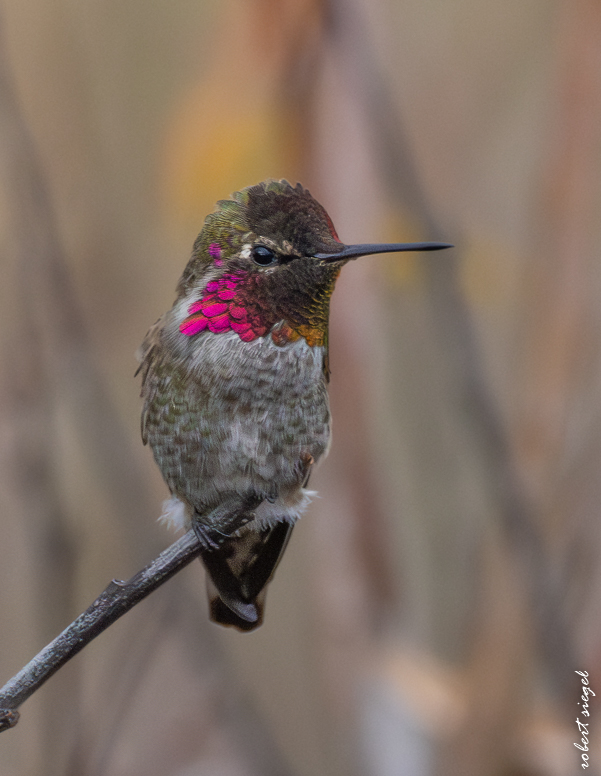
354, 251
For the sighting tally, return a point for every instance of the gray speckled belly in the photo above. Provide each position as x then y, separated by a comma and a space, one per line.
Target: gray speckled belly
235, 418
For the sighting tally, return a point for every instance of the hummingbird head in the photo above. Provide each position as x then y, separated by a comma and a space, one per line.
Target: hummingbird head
267, 261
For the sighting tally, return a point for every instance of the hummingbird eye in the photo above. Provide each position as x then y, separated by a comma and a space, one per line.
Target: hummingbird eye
264, 256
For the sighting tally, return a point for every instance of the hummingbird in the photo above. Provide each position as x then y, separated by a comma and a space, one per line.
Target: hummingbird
234, 384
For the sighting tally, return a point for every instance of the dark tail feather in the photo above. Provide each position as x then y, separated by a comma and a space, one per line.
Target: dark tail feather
238, 573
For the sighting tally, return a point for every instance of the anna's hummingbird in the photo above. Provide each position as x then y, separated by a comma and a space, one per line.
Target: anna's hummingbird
234, 384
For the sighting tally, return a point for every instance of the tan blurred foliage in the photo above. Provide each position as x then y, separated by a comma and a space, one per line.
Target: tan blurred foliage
434, 604
243, 119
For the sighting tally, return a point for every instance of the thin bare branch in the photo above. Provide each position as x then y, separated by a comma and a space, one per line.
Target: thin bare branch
117, 599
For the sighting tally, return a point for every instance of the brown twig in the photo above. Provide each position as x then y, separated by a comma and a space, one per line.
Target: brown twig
117, 599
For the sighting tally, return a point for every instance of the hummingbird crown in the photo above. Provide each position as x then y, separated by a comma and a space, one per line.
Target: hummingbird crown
284, 215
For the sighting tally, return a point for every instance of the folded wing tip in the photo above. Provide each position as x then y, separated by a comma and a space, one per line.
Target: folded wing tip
246, 618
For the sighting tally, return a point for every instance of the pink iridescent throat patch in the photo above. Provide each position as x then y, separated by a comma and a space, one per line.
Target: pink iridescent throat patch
218, 312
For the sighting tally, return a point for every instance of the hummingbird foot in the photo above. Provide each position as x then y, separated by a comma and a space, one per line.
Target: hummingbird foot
224, 521
212, 538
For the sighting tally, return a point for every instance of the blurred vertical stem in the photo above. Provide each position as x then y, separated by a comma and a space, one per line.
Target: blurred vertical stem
29, 386
463, 361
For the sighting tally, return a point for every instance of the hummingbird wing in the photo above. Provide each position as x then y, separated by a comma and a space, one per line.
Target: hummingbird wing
146, 356
238, 573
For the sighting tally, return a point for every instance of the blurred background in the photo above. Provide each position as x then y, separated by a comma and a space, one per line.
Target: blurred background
434, 604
